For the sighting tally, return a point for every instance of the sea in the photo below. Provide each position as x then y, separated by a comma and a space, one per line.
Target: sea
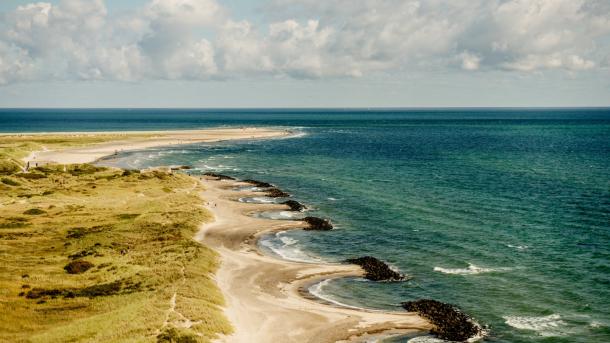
504, 213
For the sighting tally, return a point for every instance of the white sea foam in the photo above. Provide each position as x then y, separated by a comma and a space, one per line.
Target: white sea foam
280, 215
317, 290
551, 325
471, 270
426, 339
287, 248
294, 134
596, 324
518, 247
257, 200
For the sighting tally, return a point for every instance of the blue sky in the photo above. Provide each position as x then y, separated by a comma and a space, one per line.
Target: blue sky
304, 53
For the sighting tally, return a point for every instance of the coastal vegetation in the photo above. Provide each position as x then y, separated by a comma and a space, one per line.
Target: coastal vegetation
100, 254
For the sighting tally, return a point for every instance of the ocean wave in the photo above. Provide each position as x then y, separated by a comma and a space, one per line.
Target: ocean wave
248, 189
294, 133
518, 247
280, 215
471, 270
287, 248
545, 326
317, 290
426, 339
258, 200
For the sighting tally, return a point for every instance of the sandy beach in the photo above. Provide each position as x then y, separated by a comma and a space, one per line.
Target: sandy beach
267, 297
136, 140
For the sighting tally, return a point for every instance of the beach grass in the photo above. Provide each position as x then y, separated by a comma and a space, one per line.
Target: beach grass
102, 255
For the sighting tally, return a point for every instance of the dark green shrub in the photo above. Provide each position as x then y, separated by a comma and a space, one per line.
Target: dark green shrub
10, 182
34, 212
78, 267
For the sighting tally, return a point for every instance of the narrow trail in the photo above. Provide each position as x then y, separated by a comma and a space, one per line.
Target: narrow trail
173, 318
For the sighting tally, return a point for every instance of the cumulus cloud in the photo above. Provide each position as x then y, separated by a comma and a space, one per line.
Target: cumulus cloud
198, 39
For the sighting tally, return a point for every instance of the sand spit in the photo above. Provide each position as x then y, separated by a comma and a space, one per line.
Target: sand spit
136, 140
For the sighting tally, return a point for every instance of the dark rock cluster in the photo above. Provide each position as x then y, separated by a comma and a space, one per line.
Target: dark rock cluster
276, 193
258, 183
219, 176
294, 205
451, 323
316, 223
375, 269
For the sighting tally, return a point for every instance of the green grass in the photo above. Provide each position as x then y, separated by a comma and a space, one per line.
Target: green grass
134, 229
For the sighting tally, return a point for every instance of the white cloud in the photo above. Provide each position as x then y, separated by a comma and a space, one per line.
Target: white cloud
470, 61
198, 39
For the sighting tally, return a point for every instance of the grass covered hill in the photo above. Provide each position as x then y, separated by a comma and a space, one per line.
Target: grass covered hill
103, 255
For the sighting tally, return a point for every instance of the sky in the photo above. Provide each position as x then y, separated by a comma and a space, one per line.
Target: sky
304, 53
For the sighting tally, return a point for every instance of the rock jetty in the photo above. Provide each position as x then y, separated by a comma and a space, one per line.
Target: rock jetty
316, 223
450, 323
276, 193
294, 205
375, 269
219, 176
258, 183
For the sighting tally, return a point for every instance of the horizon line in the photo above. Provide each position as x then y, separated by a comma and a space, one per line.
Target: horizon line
336, 108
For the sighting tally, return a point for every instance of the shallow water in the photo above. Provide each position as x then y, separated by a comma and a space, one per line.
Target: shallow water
503, 213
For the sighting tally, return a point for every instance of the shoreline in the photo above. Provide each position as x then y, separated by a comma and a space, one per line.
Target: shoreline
264, 292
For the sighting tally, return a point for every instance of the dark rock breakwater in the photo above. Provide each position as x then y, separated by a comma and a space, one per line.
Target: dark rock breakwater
258, 183
219, 176
275, 192
318, 224
451, 323
375, 269
294, 205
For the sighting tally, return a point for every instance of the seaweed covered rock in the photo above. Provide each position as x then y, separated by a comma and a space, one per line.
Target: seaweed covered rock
294, 205
451, 323
258, 183
276, 193
316, 223
219, 176
375, 269
78, 267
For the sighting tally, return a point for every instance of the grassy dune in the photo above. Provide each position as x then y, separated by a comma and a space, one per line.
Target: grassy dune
103, 255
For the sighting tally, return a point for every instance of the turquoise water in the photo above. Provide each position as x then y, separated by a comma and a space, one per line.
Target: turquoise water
503, 213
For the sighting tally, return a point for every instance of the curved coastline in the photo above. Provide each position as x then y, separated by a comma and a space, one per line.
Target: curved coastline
264, 292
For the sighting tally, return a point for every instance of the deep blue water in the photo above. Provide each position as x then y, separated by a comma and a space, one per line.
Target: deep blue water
505, 213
